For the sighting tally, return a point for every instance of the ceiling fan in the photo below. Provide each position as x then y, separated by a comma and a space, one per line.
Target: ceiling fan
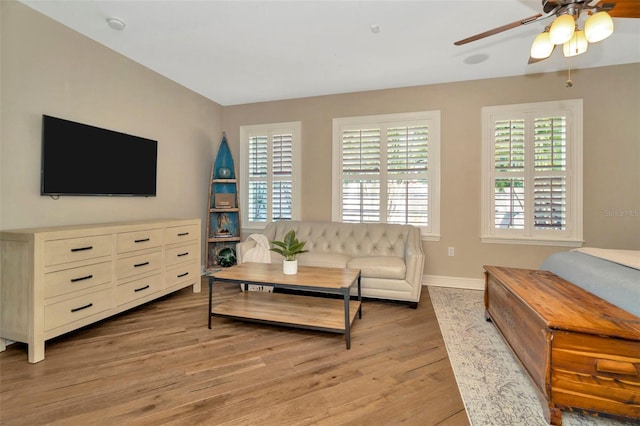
564, 29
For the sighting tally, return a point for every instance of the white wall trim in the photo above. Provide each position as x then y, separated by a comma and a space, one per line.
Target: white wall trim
454, 282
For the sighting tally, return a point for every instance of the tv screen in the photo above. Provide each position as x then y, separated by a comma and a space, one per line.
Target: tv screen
78, 159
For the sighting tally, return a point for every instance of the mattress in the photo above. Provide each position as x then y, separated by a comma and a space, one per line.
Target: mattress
601, 272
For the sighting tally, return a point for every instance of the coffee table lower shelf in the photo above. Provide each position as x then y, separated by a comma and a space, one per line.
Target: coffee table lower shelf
309, 312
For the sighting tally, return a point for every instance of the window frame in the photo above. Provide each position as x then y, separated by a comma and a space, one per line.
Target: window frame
572, 235
268, 130
385, 121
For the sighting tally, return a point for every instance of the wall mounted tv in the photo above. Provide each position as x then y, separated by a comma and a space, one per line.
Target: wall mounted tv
78, 159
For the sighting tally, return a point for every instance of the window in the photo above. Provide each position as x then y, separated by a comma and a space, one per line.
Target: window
270, 158
532, 173
386, 169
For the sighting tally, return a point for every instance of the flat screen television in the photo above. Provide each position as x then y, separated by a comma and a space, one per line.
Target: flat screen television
78, 159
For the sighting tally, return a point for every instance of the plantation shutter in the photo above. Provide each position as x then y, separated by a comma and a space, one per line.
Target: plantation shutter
407, 165
385, 174
282, 160
361, 181
530, 168
270, 174
550, 166
532, 173
509, 185
258, 179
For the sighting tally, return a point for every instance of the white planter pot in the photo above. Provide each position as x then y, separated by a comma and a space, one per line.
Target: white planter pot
290, 267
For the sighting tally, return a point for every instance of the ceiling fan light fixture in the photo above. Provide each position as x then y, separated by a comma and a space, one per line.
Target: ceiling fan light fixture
562, 29
577, 45
598, 27
542, 46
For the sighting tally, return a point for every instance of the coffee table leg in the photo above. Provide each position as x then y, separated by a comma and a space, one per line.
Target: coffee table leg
210, 298
347, 324
359, 298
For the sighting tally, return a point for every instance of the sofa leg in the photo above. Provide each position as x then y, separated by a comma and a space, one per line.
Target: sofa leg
413, 305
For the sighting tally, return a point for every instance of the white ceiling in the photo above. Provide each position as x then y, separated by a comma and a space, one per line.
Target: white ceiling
236, 52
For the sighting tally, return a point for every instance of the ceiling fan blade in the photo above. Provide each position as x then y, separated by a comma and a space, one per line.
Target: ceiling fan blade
621, 8
497, 30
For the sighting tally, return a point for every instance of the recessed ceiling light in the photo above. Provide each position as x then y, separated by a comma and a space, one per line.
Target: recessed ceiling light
116, 23
375, 28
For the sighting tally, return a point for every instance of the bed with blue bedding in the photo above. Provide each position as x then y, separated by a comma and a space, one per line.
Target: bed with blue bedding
613, 275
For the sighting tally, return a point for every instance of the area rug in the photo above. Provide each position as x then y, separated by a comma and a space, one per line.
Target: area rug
494, 387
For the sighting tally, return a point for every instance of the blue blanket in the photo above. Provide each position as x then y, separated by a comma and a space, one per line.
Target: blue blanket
612, 282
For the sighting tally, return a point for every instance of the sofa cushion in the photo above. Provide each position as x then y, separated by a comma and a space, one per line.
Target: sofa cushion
379, 266
327, 260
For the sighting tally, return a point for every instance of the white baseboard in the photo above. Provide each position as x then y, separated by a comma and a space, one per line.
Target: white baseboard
454, 282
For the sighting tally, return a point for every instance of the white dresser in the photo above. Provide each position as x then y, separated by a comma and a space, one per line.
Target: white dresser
55, 280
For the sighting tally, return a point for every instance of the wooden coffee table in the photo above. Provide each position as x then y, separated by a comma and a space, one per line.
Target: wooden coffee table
301, 311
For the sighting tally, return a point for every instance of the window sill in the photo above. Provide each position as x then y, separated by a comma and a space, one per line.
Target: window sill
431, 237
531, 241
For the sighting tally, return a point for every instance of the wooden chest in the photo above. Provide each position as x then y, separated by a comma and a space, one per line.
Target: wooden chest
581, 352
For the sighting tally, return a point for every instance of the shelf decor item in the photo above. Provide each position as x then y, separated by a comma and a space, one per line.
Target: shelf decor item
290, 248
223, 214
227, 257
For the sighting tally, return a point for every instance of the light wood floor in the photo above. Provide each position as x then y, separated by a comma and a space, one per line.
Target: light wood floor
159, 364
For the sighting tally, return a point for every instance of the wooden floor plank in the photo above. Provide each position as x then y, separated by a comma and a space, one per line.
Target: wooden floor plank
160, 364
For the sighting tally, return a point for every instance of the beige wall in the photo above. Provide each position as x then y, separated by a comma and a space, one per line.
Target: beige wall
611, 155
49, 69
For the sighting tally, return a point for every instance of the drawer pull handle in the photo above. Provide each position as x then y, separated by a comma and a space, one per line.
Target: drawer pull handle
82, 307
75, 280
616, 367
137, 265
183, 254
144, 240
81, 249
141, 288
183, 234
182, 275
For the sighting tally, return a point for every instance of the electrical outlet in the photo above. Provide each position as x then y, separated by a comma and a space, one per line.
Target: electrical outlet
451, 251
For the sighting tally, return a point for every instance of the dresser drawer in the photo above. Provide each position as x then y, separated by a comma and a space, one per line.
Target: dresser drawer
183, 275
138, 289
185, 253
68, 311
139, 240
57, 252
140, 264
74, 279
177, 234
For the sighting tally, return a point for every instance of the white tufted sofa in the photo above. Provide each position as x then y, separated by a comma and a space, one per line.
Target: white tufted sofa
390, 257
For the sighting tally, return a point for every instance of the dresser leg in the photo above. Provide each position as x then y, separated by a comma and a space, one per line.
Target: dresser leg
3, 345
36, 352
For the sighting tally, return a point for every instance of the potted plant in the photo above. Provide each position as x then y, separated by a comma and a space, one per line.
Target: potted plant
290, 248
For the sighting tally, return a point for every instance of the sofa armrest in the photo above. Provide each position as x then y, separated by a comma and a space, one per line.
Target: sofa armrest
414, 258
242, 248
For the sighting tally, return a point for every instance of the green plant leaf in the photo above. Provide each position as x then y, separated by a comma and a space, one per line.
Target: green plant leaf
290, 247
